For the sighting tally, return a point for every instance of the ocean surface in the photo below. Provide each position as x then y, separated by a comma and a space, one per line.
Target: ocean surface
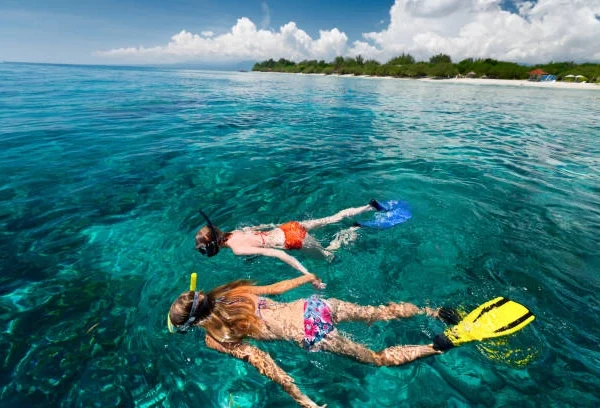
104, 169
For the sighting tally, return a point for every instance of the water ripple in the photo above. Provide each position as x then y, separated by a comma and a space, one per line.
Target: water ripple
104, 170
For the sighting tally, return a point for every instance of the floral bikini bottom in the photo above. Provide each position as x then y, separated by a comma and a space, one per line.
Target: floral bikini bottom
317, 321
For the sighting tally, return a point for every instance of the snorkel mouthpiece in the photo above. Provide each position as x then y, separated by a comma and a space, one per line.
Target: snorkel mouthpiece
170, 326
211, 248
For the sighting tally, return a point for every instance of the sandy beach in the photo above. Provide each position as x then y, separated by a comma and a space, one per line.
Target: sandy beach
516, 82
478, 81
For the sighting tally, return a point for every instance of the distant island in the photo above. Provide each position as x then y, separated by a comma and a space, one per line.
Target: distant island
439, 66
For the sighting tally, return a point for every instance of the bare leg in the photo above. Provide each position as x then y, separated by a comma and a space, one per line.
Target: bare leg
342, 311
343, 237
311, 246
349, 212
391, 356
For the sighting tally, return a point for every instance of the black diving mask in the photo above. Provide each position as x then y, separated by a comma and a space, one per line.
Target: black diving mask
211, 248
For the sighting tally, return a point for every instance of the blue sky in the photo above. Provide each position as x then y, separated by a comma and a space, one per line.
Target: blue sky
69, 31
151, 31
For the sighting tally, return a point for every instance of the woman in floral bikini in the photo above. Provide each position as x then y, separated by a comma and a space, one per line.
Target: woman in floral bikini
235, 311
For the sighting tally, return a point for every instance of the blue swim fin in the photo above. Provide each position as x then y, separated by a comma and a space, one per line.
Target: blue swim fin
390, 213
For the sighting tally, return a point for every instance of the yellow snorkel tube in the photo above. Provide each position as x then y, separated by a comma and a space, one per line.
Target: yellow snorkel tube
193, 280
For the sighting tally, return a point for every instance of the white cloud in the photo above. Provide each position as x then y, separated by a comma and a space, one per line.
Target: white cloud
243, 42
540, 32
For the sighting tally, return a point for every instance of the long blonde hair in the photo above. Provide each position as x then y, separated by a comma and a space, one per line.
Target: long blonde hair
232, 312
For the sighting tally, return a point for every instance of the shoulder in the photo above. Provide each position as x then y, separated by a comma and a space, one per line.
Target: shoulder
236, 240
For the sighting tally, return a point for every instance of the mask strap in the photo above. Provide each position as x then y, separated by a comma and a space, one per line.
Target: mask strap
195, 306
192, 318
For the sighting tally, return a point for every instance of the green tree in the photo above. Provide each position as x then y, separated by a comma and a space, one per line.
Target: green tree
465, 66
371, 67
442, 70
440, 59
404, 59
284, 62
327, 70
418, 70
439, 66
338, 62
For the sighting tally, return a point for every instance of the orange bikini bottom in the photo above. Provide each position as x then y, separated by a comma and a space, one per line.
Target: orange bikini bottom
294, 234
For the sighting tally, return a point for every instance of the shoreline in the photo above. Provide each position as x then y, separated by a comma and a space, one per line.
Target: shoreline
516, 82
470, 81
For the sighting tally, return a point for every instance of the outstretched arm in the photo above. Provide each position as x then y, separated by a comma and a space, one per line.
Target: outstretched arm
283, 286
288, 259
275, 253
265, 365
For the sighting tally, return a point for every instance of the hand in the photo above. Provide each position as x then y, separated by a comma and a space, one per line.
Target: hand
318, 284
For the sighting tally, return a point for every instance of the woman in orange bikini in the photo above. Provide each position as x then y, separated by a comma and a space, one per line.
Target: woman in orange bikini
272, 242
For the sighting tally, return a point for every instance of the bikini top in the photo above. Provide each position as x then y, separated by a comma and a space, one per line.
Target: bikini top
262, 304
262, 236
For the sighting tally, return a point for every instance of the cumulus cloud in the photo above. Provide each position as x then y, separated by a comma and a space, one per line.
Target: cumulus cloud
539, 32
243, 42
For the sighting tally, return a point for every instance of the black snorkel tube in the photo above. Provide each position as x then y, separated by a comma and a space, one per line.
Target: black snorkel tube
212, 248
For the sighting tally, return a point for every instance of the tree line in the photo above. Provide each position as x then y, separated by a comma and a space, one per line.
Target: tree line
438, 66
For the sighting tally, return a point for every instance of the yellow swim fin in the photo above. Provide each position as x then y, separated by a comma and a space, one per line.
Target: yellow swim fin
495, 318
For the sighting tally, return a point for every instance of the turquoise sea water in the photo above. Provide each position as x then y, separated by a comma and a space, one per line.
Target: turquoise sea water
103, 171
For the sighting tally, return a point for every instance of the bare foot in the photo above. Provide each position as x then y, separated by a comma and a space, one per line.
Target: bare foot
342, 238
432, 312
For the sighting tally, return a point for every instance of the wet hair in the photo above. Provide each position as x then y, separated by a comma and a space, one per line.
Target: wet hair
232, 315
204, 236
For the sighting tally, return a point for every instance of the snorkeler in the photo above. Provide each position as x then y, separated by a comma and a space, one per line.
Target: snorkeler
235, 311
276, 238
